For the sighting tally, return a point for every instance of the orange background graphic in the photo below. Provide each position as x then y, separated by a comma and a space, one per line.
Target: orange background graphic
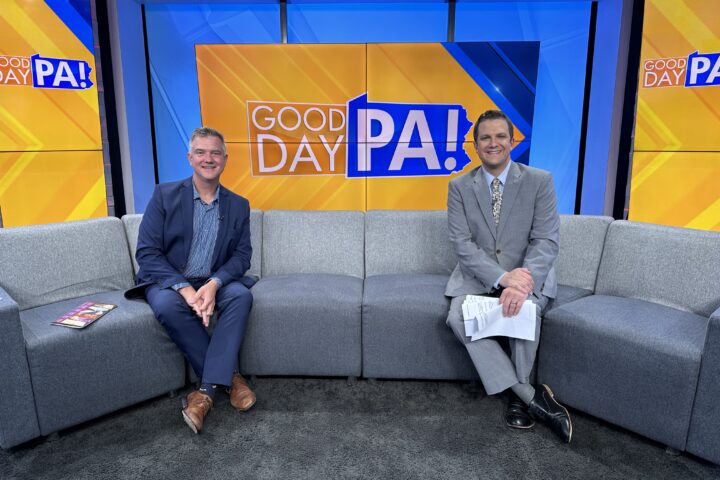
51, 163
231, 77
676, 163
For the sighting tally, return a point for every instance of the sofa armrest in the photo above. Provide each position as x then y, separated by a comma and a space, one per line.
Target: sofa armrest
18, 417
703, 438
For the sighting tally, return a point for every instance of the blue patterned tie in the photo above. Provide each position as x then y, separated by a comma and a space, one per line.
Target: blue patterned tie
496, 200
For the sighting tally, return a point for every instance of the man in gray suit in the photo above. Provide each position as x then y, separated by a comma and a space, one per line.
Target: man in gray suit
505, 227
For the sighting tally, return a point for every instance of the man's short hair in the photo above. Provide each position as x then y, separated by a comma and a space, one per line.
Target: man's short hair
203, 132
492, 115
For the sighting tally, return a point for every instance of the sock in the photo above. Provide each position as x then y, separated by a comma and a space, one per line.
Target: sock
208, 389
525, 391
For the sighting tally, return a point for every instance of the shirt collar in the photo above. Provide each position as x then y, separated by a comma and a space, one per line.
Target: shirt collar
196, 195
502, 177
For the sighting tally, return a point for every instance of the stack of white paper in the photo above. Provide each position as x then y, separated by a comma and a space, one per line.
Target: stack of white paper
484, 318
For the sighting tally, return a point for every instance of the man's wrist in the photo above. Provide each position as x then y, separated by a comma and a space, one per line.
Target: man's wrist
178, 286
517, 290
217, 280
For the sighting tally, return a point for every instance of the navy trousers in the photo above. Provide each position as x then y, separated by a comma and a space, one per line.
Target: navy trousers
212, 357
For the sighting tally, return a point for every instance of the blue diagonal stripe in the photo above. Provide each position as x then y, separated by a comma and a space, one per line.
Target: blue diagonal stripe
520, 149
484, 82
77, 24
511, 65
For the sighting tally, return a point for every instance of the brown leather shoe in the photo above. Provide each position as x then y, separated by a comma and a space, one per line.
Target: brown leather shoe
241, 397
195, 407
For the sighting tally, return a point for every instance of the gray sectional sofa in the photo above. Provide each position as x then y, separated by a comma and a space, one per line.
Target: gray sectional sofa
633, 336
639, 350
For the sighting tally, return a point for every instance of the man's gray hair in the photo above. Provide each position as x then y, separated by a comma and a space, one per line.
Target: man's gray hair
206, 132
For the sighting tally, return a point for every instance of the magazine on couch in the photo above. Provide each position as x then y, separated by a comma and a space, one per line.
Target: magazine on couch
84, 315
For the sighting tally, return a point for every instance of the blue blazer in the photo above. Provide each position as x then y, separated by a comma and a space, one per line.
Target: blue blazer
166, 233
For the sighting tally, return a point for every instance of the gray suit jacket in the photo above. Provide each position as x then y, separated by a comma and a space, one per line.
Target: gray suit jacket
528, 234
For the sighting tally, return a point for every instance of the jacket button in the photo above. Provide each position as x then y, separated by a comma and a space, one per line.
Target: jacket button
498, 252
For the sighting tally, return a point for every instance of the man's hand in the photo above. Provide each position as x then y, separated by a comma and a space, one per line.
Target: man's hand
188, 293
519, 279
512, 300
204, 299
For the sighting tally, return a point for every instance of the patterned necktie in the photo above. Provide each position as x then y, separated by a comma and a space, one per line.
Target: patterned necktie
496, 200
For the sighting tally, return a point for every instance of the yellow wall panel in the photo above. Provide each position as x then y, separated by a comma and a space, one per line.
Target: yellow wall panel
677, 117
51, 160
676, 188
316, 192
284, 109
676, 162
47, 187
43, 118
231, 75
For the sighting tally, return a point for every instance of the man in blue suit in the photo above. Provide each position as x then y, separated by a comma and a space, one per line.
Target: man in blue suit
193, 250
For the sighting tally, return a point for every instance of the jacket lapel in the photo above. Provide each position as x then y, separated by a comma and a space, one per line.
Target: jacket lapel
223, 224
510, 193
482, 193
187, 215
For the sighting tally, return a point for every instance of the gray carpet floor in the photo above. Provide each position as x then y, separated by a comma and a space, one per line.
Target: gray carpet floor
329, 428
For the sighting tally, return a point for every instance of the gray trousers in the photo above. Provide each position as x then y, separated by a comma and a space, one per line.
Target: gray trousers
497, 371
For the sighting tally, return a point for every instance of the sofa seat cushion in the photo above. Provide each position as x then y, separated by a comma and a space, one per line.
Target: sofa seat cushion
628, 361
567, 294
404, 330
304, 324
123, 358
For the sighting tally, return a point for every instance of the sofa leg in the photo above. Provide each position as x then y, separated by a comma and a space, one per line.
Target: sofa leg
172, 393
673, 452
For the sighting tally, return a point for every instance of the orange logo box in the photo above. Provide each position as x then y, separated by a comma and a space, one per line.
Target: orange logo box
15, 70
296, 138
664, 72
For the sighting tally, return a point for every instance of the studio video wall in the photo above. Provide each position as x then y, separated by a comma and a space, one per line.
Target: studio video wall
51, 161
367, 106
676, 159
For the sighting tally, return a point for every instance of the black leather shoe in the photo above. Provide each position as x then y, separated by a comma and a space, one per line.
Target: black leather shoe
516, 414
546, 409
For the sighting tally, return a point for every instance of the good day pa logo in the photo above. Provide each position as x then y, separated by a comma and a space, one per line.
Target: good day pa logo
45, 72
695, 70
358, 139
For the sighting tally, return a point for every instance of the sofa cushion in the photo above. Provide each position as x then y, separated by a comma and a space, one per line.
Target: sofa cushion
132, 228
404, 334
581, 245
676, 267
304, 324
704, 435
630, 362
313, 242
121, 359
44, 264
398, 241
567, 294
